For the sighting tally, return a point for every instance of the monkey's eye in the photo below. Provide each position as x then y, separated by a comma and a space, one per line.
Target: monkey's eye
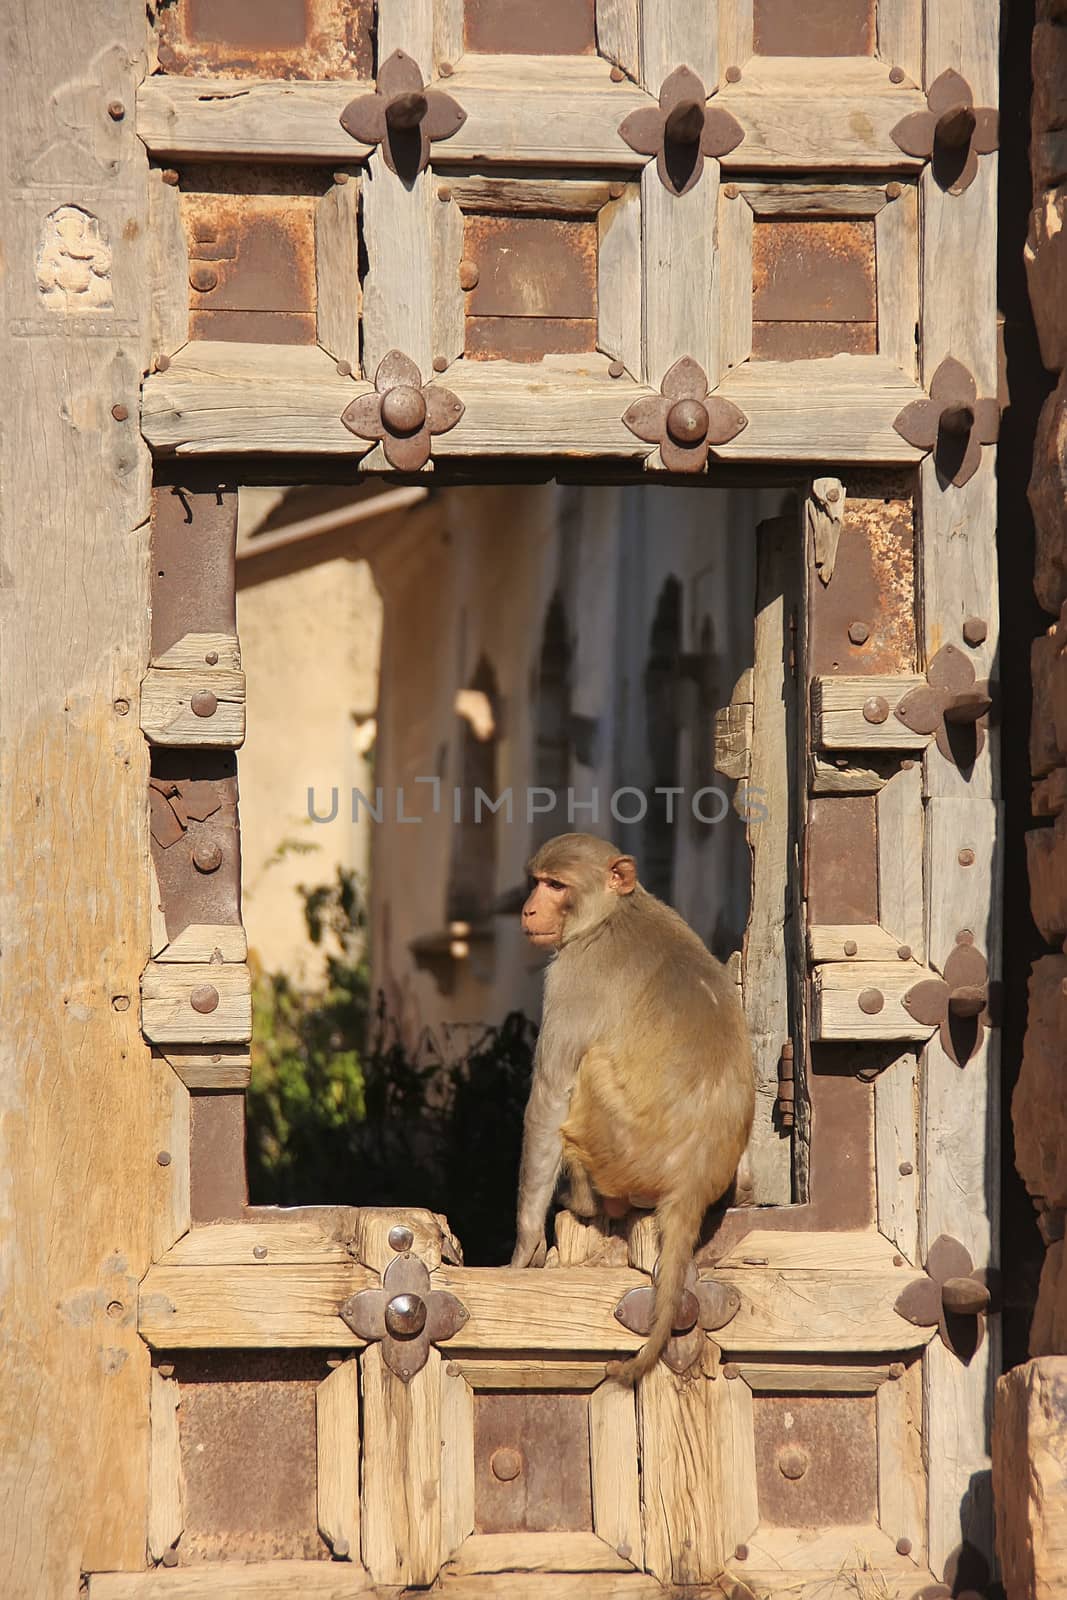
554, 883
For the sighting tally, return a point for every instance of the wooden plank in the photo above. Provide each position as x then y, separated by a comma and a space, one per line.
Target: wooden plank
848, 125
683, 32
84, 1108
838, 987
337, 293
814, 199
165, 1517
618, 35
685, 1469
765, 977
794, 407
529, 1372
408, 25
550, 1586
788, 1251
896, 1155
896, 251
536, 1552
171, 1214
807, 1379
735, 1416
613, 1466
807, 1552
568, 1309
899, 812
852, 942
168, 717
448, 31
225, 1067
370, 1243
192, 650
537, 197
843, 776
401, 1513
284, 120
735, 278
167, 1012
285, 1242
619, 321
901, 1475
457, 1460
900, 36
735, 33
337, 1445
681, 274
168, 265
236, 1580
449, 321
838, 720
397, 304
811, 1311
198, 942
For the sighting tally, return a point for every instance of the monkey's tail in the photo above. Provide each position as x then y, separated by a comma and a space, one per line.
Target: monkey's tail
679, 1228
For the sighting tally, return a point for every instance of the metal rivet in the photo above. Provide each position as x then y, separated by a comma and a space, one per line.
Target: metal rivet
905, 1169
966, 858
871, 1002
904, 952
401, 1238
440, 363
896, 1369
850, 947
445, 68
203, 703
334, 1361
616, 74
731, 191
121, 708
162, 363
207, 857
903, 1547
444, 192
731, 1370
898, 1261
740, 1552
792, 1461
733, 74
163, 1158
616, 191
897, 74
468, 275
687, 422
405, 1316
453, 1369
116, 110
876, 708
859, 632
344, 369
340, 177
170, 1557
166, 1369
170, 176
907, 766
120, 413
404, 409
341, 1548
115, 1309
204, 998
260, 1252
203, 279
212, 658
833, 495
615, 369
965, 936
975, 631
120, 1002
505, 1464
893, 191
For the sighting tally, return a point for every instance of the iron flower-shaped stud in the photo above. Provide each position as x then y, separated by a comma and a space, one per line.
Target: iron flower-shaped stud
402, 115
952, 133
405, 1315
959, 1003
681, 130
953, 422
684, 419
704, 1307
952, 1295
950, 701
403, 412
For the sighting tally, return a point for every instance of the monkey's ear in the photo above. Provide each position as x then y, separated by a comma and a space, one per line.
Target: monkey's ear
622, 875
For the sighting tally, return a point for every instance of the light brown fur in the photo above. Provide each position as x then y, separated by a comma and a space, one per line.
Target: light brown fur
643, 1085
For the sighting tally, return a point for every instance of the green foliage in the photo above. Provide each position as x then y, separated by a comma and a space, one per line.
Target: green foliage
340, 1112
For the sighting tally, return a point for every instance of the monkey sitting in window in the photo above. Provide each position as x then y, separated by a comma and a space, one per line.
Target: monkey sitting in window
642, 1085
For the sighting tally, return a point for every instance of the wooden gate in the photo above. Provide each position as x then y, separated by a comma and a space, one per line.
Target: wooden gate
728, 243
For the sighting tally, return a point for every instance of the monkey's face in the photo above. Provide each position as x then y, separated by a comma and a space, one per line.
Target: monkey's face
573, 890
544, 915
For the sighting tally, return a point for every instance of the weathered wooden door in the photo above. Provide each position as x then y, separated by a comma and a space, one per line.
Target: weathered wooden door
731, 241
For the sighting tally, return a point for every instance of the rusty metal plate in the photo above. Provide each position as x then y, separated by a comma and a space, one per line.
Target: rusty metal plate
872, 591
531, 266
195, 839
247, 1425
816, 1459
268, 38
841, 1174
531, 1463
527, 338
251, 240
550, 28
809, 341
842, 860
816, 28
194, 536
217, 1182
813, 270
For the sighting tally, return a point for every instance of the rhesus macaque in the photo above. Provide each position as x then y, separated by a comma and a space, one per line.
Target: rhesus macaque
643, 1089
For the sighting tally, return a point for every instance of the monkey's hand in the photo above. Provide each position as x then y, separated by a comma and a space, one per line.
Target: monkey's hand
530, 1250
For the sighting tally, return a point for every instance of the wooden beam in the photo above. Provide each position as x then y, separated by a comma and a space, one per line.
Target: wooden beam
896, 1153
809, 1311
865, 1000
237, 1580
839, 723
899, 816
337, 1446
457, 1459
165, 1517
536, 1552
169, 1014
613, 1465
338, 300
401, 1517
169, 714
